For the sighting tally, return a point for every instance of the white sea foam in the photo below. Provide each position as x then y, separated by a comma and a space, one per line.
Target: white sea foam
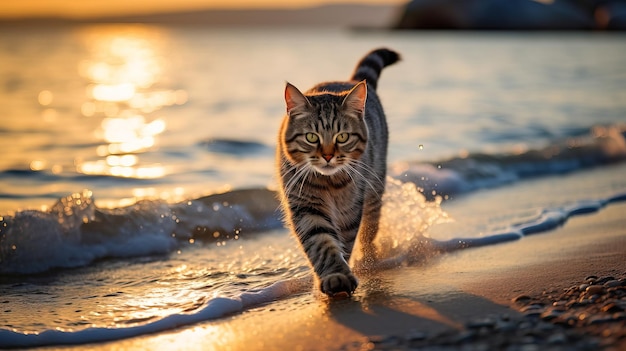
75, 233
214, 308
64, 237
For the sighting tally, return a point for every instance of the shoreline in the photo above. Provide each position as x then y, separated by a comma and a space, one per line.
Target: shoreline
439, 302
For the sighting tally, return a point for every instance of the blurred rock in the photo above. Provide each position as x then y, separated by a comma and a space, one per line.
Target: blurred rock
514, 14
436, 14
611, 15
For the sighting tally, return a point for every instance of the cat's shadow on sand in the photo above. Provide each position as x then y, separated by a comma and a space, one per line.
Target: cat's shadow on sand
382, 314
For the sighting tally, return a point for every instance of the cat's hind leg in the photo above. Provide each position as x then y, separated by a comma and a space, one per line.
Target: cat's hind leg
368, 231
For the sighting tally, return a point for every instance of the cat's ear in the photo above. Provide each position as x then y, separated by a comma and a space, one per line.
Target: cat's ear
295, 99
355, 100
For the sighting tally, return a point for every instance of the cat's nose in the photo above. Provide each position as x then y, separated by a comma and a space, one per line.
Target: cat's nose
327, 157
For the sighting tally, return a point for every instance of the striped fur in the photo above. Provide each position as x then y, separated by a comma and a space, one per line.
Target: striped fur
331, 155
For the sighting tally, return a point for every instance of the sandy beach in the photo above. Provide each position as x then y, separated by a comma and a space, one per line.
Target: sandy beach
476, 298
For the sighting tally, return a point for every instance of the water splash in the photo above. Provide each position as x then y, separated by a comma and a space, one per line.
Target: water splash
74, 233
406, 217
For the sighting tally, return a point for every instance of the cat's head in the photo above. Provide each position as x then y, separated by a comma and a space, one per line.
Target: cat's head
325, 130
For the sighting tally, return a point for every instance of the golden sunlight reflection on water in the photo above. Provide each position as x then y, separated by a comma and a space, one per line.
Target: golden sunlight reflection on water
123, 73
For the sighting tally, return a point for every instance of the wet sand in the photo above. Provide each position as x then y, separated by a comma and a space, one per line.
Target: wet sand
440, 302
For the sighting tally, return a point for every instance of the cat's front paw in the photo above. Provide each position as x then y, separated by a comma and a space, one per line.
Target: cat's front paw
337, 284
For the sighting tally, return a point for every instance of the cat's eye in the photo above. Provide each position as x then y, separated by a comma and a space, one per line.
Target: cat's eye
312, 137
342, 137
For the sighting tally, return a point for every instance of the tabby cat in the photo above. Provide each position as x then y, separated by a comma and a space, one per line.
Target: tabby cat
332, 151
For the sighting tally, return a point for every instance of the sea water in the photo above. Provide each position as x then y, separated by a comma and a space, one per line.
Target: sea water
136, 183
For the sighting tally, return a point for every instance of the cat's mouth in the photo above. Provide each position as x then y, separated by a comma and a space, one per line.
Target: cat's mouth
327, 169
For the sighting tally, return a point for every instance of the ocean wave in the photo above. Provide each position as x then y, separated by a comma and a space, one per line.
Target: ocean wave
47, 176
75, 232
602, 145
234, 147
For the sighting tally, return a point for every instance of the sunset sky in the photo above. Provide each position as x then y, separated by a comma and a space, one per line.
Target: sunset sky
94, 8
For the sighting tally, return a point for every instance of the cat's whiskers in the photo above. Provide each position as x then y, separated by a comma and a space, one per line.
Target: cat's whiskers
307, 171
352, 171
353, 164
303, 169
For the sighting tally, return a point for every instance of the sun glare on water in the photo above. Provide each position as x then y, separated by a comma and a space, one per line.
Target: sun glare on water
122, 71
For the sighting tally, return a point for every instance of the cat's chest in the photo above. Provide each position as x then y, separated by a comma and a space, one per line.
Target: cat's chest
343, 206
337, 199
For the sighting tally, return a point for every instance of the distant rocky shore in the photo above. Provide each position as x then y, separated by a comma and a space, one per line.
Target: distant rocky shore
514, 15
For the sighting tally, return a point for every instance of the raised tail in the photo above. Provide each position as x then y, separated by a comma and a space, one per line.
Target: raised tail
372, 64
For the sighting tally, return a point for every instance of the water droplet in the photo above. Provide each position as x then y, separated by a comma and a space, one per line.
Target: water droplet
216, 234
421, 147
37, 165
13, 247
191, 241
45, 97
